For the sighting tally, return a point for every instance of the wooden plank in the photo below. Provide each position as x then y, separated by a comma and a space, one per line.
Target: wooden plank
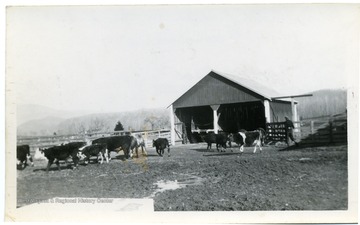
293, 96
314, 142
340, 132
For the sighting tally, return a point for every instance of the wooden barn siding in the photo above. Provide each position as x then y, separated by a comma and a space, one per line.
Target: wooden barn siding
214, 89
279, 109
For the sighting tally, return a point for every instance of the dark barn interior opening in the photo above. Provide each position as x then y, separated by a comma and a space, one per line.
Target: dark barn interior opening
232, 118
247, 116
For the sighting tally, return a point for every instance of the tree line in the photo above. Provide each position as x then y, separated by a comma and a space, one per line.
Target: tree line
129, 121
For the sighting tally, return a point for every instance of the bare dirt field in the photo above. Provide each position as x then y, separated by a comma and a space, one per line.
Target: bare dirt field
195, 179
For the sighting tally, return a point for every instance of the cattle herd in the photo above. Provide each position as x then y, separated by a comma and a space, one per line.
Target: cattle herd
102, 147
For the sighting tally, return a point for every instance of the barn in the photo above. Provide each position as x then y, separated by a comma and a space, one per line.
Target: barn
223, 102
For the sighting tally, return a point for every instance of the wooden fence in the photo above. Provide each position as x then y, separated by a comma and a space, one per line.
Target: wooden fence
47, 141
333, 131
275, 132
318, 131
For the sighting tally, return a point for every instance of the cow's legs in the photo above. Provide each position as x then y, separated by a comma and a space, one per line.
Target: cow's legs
107, 156
158, 151
86, 159
137, 152
258, 143
101, 157
75, 160
168, 151
50, 162
241, 148
143, 150
28, 156
58, 163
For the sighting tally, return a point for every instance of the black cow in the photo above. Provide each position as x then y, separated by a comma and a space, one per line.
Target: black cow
160, 144
98, 150
248, 138
62, 152
116, 143
22, 155
220, 140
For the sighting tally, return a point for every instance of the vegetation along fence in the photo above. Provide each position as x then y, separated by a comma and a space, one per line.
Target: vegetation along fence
315, 131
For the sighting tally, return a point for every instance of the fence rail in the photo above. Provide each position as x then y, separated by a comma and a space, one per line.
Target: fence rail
48, 141
331, 130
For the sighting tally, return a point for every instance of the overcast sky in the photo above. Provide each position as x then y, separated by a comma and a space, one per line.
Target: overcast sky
117, 58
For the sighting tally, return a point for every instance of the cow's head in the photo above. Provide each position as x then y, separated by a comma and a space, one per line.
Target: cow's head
18, 163
154, 143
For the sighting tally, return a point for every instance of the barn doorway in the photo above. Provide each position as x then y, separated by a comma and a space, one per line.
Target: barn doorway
233, 117
237, 116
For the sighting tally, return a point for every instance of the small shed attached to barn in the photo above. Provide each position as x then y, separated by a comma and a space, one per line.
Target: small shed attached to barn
228, 103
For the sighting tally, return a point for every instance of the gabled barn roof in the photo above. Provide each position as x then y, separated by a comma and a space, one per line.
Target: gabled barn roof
262, 90
220, 88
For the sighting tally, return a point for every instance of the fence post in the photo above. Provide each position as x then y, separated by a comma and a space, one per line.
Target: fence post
312, 129
331, 131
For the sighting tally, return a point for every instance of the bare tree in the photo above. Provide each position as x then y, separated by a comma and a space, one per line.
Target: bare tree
157, 122
151, 120
96, 125
79, 127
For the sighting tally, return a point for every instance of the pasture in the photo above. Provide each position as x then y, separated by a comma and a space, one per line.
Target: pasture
196, 179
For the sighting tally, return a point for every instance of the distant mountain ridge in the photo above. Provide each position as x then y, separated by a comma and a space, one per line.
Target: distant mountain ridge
29, 112
44, 126
63, 122
38, 120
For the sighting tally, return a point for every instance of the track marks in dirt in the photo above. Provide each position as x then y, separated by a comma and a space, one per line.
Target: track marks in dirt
271, 180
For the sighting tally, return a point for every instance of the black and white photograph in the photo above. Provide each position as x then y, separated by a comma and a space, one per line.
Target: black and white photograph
224, 113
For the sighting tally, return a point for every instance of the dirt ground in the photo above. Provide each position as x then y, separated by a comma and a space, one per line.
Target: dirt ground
196, 179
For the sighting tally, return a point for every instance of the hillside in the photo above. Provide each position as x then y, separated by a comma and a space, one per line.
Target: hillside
31, 112
322, 103
144, 119
44, 126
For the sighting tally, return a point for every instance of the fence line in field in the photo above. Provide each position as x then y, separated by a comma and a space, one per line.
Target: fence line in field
48, 141
332, 130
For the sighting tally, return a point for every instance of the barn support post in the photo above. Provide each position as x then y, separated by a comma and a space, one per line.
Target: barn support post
294, 113
172, 125
267, 111
216, 119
